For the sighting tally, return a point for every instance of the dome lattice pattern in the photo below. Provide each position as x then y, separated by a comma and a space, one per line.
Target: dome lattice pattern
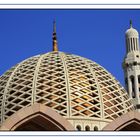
71, 85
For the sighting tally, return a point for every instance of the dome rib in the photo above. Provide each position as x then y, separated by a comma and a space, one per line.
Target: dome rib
62, 56
98, 88
35, 78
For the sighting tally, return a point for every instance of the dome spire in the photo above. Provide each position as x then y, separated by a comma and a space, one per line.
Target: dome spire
55, 46
130, 23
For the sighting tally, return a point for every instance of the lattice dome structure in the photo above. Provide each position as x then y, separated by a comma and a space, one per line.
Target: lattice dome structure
77, 88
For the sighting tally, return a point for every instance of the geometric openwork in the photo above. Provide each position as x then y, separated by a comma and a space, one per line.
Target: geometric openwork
71, 85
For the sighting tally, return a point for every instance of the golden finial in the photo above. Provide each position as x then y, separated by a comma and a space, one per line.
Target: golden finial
55, 46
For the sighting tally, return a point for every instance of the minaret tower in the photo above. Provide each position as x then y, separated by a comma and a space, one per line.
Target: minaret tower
131, 65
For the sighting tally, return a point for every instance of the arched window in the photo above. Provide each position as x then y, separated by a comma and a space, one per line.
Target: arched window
133, 89
95, 128
139, 79
139, 82
126, 83
134, 43
78, 127
131, 44
128, 43
87, 128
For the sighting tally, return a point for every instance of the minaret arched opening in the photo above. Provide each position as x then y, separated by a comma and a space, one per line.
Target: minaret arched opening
126, 82
133, 88
139, 82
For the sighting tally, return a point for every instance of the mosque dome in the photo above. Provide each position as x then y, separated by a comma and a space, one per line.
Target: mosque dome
75, 87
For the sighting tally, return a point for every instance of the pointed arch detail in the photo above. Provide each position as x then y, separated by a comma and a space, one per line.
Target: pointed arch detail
127, 122
36, 117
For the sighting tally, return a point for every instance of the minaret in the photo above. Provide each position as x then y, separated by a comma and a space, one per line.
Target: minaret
131, 65
55, 46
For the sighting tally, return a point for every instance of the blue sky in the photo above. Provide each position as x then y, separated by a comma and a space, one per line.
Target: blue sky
95, 34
